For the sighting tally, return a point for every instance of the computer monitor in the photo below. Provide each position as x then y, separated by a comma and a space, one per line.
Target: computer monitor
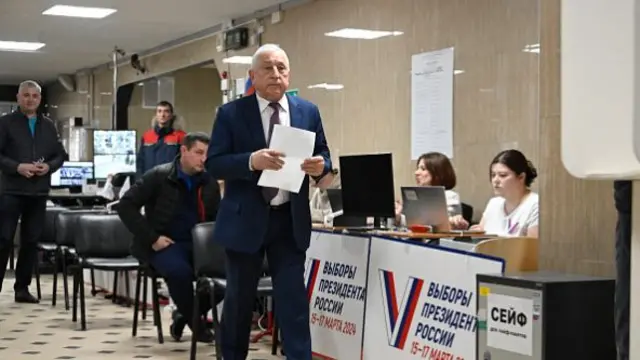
72, 173
114, 151
367, 185
114, 142
335, 200
106, 165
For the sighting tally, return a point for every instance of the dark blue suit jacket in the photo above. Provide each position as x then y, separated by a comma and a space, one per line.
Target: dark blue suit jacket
242, 220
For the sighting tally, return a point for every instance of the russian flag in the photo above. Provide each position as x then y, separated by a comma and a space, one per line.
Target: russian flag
248, 87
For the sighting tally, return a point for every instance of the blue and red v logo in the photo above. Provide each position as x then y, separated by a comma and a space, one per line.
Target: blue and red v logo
399, 315
312, 269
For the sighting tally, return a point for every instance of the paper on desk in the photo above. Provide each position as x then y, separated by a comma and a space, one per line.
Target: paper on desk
296, 145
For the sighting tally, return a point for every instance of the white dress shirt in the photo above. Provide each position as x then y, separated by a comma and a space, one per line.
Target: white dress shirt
285, 120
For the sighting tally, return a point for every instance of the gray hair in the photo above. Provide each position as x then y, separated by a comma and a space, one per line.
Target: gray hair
266, 48
29, 84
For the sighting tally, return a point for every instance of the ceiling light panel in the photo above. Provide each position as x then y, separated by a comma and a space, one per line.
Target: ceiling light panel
362, 34
20, 46
244, 60
79, 11
326, 86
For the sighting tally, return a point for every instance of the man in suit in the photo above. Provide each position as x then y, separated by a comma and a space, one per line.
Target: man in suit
253, 220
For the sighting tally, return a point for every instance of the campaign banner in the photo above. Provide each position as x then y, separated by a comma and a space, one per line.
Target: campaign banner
336, 276
421, 301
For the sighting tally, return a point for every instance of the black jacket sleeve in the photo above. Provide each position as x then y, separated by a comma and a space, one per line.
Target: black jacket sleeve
143, 192
211, 199
140, 159
60, 156
622, 191
7, 164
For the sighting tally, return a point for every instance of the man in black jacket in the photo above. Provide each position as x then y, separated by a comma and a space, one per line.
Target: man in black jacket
30, 151
175, 196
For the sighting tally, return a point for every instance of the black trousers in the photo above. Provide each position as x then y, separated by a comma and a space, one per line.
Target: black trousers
286, 266
175, 264
622, 196
30, 210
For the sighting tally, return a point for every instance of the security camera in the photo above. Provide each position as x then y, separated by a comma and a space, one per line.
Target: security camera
136, 64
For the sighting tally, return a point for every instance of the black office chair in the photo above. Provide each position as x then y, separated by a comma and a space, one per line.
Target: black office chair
146, 271
209, 261
47, 243
102, 243
467, 212
66, 224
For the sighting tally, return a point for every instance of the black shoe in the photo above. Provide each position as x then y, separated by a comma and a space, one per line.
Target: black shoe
25, 297
177, 326
205, 336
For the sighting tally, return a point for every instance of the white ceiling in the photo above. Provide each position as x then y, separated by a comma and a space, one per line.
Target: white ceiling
73, 44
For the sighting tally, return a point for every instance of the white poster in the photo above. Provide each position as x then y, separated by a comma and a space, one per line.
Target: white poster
509, 323
421, 301
432, 103
336, 273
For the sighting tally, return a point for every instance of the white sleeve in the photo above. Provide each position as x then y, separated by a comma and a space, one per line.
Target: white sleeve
454, 205
487, 209
453, 198
533, 216
403, 221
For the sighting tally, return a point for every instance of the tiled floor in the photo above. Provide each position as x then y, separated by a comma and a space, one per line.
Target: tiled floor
45, 332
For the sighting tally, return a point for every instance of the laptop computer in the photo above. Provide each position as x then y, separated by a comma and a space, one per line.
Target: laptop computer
346, 221
425, 205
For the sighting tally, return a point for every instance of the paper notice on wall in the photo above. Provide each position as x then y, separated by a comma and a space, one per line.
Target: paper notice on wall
510, 323
432, 103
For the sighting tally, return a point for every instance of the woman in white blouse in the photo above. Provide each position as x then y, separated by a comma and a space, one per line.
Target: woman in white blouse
435, 169
514, 210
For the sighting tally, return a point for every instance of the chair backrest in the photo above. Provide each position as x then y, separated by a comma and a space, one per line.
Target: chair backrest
209, 258
102, 235
49, 226
519, 253
66, 224
467, 212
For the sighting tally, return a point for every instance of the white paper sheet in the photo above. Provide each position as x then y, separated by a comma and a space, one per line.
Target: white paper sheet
297, 145
432, 103
510, 323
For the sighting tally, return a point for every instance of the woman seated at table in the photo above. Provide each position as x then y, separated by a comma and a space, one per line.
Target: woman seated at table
319, 204
435, 169
514, 211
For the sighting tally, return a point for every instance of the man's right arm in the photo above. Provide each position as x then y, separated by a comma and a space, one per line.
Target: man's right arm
140, 194
7, 165
222, 162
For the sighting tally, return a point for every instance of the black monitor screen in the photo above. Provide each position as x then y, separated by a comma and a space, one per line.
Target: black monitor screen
367, 185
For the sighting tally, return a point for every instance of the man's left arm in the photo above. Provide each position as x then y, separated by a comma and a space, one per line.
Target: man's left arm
321, 148
60, 155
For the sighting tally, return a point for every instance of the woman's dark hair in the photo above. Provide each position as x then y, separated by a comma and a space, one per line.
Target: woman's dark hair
440, 168
518, 163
